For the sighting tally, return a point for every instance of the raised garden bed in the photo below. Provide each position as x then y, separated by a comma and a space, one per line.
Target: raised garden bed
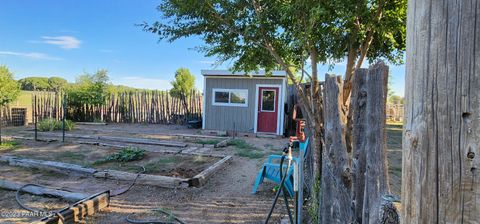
166, 169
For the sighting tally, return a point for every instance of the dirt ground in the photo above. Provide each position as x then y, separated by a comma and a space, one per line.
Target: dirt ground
157, 163
226, 197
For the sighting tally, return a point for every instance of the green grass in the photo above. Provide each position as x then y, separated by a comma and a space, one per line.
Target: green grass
24, 99
8, 145
157, 165
244, 149
207, 141
53, 125
241, 144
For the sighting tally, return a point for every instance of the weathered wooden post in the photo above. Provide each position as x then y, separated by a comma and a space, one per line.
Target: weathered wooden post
441, 138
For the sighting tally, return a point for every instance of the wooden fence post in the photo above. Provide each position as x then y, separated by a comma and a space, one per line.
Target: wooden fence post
376, 209
358, 107
441, 138
336, 180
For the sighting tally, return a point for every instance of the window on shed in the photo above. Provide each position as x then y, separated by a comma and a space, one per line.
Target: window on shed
221, 97
230, 97
268, 101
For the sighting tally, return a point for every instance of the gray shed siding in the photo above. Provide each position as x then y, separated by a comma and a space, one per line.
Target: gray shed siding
225, 117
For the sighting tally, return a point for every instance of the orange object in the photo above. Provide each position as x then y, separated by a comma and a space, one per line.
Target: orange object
300, 133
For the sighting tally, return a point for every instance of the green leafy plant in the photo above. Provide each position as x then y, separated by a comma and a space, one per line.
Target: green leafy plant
8, 145
53, 125
126, 155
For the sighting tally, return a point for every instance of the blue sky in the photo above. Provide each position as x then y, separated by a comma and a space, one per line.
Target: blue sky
67, 38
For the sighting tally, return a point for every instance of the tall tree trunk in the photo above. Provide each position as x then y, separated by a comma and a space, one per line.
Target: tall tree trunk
441, 138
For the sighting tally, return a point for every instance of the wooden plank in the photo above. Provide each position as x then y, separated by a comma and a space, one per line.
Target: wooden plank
441, 153
143, 141
37, 190
80, 210
126, 146
144, 179
91, 123
201, 178
46, 165
199, 136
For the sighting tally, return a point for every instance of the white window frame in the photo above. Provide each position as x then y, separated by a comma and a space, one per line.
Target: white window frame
229, 104
274, 98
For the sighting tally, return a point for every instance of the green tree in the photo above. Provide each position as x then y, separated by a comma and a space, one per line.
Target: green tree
9, 91
267, 34
34, 83
88, 89
57, 83
183, 85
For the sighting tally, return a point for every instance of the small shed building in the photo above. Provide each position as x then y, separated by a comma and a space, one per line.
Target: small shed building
244, 102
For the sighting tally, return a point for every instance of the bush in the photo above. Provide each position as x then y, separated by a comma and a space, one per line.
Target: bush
53, 125
126, 155
8, 145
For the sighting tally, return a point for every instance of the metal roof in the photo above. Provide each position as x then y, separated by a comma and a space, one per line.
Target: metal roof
242, 74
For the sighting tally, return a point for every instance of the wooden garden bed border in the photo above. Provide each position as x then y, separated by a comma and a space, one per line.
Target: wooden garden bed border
143, 141
143, 179
78, 211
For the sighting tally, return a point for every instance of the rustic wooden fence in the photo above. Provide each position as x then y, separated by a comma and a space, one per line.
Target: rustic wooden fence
395, 112
152, 107
354, 186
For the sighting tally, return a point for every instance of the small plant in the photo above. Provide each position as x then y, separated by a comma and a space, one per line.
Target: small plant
126, 155
53, 125
8, 145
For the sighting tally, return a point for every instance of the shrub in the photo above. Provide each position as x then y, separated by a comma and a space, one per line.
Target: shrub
53, 125
8, 145
126, 155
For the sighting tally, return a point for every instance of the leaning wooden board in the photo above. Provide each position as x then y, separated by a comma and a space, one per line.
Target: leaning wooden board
78, 211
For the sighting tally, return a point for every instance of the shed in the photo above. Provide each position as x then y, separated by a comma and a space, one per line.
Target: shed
244, 102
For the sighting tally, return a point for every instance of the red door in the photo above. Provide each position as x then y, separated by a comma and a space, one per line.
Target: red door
267, 119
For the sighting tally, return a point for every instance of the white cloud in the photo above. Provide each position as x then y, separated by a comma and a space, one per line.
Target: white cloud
65, 42
144, 83
31, 55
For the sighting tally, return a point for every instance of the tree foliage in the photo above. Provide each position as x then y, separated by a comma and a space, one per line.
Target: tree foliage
9, 88
34, 83
90, 89
183, 84
57, 83
42, 83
